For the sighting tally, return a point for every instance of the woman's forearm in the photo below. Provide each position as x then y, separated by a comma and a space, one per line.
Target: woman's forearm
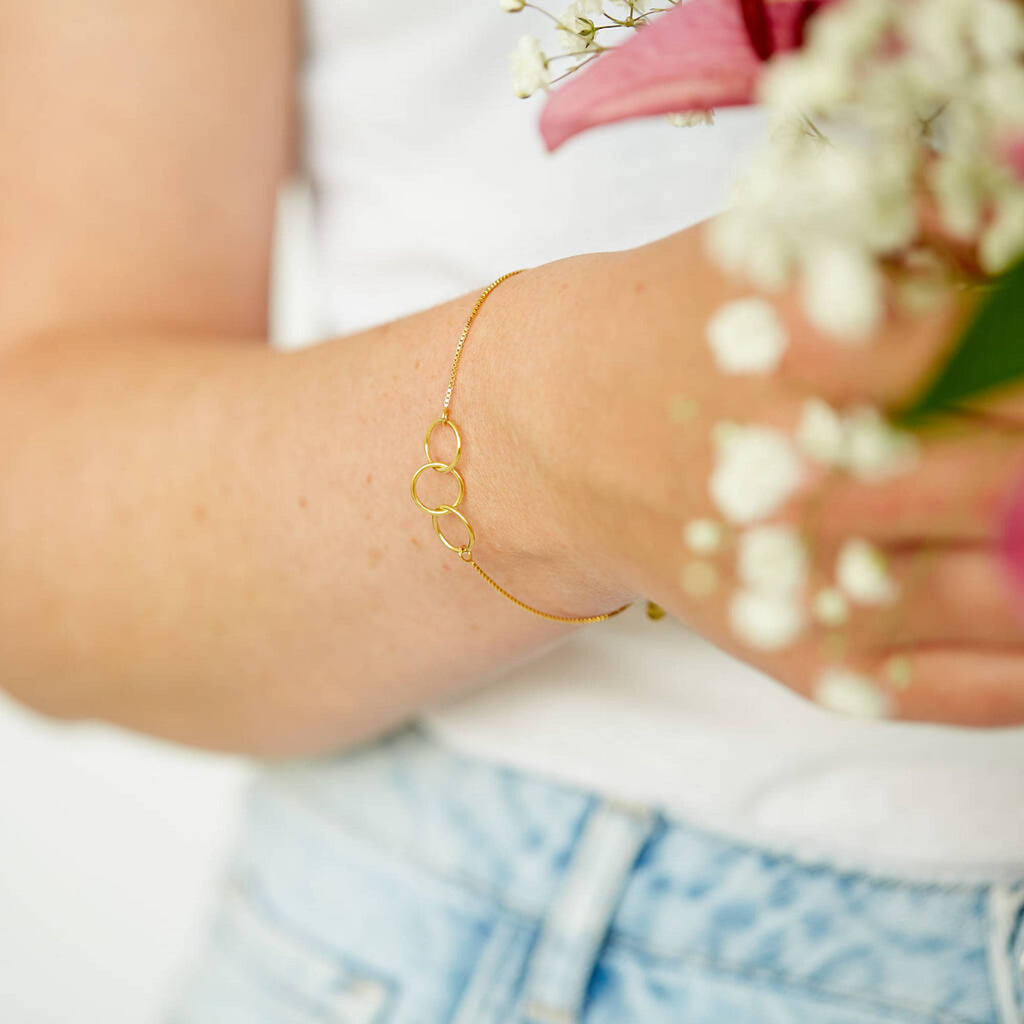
199, 537
214, 542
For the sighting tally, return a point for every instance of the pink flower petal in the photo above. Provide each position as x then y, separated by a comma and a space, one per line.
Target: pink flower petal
698, 55
1012, 544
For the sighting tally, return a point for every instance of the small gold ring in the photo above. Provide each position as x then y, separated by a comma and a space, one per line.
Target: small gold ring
440, 467
462, 550
458, 442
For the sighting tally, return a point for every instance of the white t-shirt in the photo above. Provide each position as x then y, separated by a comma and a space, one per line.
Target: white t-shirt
430, 179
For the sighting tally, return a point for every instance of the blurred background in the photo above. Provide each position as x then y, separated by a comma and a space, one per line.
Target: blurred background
110, 848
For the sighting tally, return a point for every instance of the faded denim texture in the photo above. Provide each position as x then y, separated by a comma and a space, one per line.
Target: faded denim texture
405, 884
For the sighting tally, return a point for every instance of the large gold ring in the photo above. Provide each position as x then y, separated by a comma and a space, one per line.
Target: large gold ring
440, 467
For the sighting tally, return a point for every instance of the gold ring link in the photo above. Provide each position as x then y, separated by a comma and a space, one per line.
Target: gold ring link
444, 421
439, 467
464, 551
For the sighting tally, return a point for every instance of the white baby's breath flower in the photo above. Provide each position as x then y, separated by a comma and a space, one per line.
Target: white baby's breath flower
828, 209
851, 30
891, 221
861, 441
905, 92
962, 123
772, 559
804, 82
768, 622
512, 6
692, 118
997, 29
703, 536
937, 32
575, 32
959, 192
529, 67
875, 449
747, 336
830, 607
786, 128
743, 244
999, 92
1003, 241
863, 573
849, 693
843, 291
756, 470
820, 434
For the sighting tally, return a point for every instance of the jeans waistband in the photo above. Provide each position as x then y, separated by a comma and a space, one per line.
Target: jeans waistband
585, 871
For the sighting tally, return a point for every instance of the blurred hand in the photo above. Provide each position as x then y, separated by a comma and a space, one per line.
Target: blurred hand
629, 476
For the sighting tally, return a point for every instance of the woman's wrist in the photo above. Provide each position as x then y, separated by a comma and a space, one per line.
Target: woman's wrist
529, 501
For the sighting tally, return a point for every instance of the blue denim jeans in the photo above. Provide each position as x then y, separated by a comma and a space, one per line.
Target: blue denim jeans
406, 884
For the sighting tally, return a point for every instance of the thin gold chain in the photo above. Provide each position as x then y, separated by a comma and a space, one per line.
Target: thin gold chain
465, 551
578, 619
465, 334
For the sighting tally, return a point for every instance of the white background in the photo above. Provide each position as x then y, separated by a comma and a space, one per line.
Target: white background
110, 848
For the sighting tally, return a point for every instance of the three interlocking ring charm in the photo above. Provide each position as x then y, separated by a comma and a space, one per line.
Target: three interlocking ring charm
464, 551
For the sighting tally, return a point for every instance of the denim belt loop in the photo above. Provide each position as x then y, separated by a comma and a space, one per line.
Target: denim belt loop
574, 929
1006, 950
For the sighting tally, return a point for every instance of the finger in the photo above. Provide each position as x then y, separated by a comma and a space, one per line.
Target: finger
957, 491
960, 686
947, 685
956, 596
943, 683
889, 368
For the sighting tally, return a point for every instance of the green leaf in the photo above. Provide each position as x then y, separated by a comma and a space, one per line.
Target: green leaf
989, 357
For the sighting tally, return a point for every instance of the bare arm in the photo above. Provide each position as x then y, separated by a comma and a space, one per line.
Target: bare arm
202, 538
215, 542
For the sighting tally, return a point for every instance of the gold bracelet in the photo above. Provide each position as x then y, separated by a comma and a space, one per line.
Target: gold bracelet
465, 551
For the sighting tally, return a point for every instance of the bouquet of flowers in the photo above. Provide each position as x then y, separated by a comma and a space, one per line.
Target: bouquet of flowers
894, 172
